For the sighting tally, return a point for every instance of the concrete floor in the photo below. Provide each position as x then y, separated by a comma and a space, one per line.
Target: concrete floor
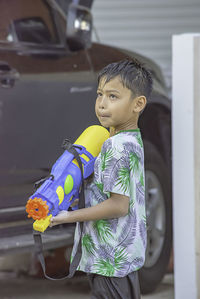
12, 287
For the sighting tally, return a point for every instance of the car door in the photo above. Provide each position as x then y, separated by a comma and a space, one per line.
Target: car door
46, 94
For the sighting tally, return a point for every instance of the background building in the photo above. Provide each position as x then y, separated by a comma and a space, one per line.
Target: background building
146, 26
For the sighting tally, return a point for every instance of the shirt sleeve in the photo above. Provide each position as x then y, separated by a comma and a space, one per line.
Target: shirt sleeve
115, 169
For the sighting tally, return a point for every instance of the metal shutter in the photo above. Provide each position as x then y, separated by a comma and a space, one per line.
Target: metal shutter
146, 26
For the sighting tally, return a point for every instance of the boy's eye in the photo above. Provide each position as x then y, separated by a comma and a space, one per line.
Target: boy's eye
113, 96
99, 94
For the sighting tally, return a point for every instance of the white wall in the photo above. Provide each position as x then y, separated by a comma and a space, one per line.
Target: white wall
186, 164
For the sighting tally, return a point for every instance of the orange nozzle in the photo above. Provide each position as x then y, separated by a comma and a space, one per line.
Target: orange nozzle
37, 208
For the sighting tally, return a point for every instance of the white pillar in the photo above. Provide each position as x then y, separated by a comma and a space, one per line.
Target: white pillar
186, 164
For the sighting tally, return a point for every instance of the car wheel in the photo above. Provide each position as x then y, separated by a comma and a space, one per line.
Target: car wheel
159, 219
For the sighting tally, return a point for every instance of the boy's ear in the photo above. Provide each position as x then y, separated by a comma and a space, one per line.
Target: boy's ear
139, 103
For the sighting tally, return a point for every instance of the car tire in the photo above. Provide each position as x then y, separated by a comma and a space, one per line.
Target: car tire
159, 219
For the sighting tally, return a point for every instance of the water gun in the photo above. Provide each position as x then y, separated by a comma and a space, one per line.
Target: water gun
60, 189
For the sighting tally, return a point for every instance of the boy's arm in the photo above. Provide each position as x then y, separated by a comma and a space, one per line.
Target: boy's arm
114, 207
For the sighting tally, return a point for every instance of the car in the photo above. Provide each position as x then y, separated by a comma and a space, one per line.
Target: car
48, 81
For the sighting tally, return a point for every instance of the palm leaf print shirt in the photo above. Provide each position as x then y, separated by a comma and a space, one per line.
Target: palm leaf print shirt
116, 247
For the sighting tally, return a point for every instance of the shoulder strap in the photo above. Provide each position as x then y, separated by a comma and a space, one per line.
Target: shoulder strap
37, 235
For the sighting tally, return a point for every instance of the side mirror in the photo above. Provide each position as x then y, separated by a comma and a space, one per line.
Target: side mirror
79, 27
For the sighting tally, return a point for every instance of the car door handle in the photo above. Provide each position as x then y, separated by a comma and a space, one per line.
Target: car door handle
8, 75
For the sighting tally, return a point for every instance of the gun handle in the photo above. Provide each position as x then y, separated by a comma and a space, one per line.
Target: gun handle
74, 204
75, 207
42, 224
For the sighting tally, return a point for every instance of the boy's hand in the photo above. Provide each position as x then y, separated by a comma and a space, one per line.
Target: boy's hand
60, 218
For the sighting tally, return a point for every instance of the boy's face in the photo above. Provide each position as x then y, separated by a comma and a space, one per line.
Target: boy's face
115, 106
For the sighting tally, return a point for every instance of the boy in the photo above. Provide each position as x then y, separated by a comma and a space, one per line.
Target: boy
114, 230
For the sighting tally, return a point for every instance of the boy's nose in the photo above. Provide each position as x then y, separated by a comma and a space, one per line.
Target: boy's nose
102, 103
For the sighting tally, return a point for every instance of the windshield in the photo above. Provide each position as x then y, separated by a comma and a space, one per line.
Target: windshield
64, 4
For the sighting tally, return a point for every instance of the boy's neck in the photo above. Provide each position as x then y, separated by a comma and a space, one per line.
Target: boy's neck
114, 131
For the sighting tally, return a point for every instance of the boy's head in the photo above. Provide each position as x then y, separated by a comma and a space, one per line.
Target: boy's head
123, 88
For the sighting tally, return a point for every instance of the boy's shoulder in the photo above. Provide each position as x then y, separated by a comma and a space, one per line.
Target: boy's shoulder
123, 145
123, 140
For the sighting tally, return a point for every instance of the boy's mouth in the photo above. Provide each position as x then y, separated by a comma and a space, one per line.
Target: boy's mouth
104, 115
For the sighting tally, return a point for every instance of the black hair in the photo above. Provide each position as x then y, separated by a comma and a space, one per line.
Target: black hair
133, 76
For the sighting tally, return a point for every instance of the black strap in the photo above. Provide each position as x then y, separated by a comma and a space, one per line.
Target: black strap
37, 235
41, 181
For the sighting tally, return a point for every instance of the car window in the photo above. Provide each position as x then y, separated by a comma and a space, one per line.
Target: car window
27, 21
